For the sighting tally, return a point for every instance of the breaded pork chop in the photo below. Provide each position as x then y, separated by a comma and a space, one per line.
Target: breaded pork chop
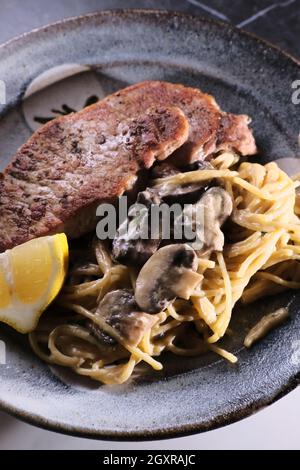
57, 179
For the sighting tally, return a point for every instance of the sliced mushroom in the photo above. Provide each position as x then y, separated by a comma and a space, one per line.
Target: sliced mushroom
207, 217
166, 168
121, 312
169, 273
198, 165
108, 348
105, 341
134, 243
183, 193
163, 170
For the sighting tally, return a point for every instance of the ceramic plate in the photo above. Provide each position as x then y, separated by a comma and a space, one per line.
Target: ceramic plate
70, 64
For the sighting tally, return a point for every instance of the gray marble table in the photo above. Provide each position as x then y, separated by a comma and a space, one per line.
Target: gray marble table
278, 22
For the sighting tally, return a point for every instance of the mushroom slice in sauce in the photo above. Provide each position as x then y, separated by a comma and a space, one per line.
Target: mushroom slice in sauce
166, 168
183, 194
133, 244
163, 170
169, 273
198, 165
106, 343
122, 313
108, 347
187, 193
211, 211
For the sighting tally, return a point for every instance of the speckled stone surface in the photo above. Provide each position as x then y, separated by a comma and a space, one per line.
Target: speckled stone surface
275, 20
239, 70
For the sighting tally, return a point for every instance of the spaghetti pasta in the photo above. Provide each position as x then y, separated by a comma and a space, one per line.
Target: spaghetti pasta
260, 257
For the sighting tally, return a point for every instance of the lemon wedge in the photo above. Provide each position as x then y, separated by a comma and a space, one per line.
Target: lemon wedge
31, 275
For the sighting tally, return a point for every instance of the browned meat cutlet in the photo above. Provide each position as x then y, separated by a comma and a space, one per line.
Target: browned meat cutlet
57, 179
210, 128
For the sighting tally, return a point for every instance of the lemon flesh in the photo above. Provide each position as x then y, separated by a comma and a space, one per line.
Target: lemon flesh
31, 275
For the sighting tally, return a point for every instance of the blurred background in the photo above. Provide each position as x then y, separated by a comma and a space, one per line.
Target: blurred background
275, 427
